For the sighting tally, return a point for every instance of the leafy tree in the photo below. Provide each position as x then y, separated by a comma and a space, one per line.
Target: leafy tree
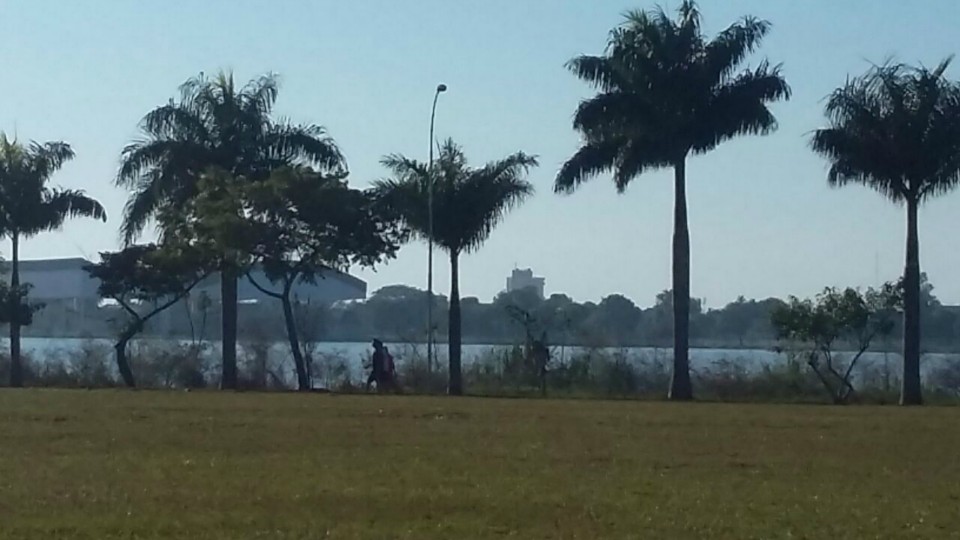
29, 207
145, 280
738, 318
833, 317
896, 129
560, 316
215, 125
396, 293
666, 92
15, 306
619, 317
296, 225
744, 318
467, 204
395, 311
526, 299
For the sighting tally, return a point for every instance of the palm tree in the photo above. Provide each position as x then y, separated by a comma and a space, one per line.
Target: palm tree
215, 125
467, 204
27, 208
896, 129
664, 93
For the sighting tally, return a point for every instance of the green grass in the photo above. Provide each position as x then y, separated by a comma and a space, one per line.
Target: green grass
114, 464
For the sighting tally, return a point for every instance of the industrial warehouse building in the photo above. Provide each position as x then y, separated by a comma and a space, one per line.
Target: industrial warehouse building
70, 294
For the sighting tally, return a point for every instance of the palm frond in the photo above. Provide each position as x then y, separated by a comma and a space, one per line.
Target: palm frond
146, 200
60, 205
591, 159
688, 23
483, 199
175, 121
639, 155
48, 157
141, 157
406, 197
513, 166
403, 167
304, 144
611, 113
259, 95
739, 108
599, 71
852, 158
730, 48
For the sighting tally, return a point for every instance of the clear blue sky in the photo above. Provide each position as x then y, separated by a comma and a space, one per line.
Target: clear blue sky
763, 220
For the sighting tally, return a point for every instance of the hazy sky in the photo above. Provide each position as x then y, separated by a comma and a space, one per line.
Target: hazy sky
763, 221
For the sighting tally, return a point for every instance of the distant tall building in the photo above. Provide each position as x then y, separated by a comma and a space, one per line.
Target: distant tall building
524, 279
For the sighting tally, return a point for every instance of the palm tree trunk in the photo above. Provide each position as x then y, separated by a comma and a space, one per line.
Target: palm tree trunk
910, 393
303, 379
16, 364
680, 385
228, 299
455, 328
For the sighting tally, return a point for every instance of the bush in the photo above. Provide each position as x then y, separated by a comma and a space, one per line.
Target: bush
158, 365
330, 370
945, 378
28, 369
90, 366
413, 374
93, 365
258, 370
730, 380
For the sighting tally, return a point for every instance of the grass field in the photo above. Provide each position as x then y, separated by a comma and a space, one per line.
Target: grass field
113, 464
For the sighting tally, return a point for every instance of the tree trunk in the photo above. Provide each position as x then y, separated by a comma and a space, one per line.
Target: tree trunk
910, 393
120, 349
303, 379
16, 364
228, 300
455, 330
680, 385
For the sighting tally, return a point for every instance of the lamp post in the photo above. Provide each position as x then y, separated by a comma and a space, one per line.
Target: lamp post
433, 115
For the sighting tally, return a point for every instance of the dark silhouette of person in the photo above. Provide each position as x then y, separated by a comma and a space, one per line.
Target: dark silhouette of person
389, 371
541, 356
376, 369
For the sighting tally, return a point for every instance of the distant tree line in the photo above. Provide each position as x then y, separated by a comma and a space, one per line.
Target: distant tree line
397, 312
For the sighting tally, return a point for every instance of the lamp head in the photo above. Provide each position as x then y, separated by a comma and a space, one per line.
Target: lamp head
441, 88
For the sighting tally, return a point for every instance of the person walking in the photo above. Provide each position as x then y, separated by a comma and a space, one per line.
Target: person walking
377, 365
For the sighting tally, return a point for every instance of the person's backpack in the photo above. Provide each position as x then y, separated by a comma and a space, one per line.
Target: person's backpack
388, 362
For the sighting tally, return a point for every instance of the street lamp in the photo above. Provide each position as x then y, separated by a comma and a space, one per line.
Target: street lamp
433, 115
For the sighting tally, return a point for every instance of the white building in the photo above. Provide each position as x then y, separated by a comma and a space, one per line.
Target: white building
524, 279
64, 282
56, 279
333, 287
66, 279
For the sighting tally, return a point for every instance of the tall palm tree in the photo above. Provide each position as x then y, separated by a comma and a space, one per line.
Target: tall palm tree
467, 204
896, 130
215, 125
664, 93
29, 207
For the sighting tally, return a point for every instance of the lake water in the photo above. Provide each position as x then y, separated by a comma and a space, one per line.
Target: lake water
355, 355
